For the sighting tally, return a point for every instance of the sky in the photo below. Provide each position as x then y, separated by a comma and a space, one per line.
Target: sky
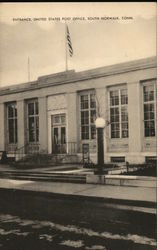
97, 41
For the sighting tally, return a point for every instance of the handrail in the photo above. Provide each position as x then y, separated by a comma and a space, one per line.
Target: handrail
27, 149
18, 149
69, 148
20, 152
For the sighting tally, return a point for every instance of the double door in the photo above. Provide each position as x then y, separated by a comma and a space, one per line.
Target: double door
58, 134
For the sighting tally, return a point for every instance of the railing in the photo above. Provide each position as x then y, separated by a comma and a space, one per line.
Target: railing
32, 148
59, 149
68, 148
20, 153
11, 148
27, 149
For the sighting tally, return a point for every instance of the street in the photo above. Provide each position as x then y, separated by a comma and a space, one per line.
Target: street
30, 220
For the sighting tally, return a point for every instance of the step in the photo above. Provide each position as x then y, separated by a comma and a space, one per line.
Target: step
45, 176
50, 178
40, 174
28, 175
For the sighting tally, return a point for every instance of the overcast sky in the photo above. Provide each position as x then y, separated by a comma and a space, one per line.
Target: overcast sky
95, 43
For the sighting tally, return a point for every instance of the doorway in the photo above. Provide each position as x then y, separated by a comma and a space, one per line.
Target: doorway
59, 134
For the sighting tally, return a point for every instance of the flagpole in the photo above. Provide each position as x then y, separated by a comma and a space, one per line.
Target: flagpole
66, 55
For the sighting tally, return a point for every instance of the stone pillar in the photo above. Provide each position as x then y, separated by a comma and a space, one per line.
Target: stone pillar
2, 127
72, 120
43, 125
135, 123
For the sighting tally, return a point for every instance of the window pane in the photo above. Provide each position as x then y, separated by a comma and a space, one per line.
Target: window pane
36, 108
84, 102
31, 136
11, 130
114, 98
92, 116
11, 111
148, 111
93, 132
55, 134
63, 136
85, 132
84, 117
115, 134
149, 128
31, 123
115, 131
92, 101
148, 93
30, 108
56, 119
63, 119
124, 130
114, 113
124, 113
37, 122
124, 96
15, 108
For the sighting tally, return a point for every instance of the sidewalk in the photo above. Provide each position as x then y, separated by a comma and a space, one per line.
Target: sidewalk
131, 198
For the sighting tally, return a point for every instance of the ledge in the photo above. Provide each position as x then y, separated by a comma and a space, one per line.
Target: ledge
122, 180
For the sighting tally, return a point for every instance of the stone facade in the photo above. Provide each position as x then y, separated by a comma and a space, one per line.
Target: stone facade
59, 94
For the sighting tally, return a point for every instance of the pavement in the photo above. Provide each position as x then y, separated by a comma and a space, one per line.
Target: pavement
123, 197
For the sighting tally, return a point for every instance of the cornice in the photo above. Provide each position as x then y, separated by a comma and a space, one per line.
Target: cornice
73, 77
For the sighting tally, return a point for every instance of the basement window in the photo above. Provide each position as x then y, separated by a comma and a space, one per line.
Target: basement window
149, 159
118, 159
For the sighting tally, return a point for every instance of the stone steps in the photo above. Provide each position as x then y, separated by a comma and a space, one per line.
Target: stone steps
77, 178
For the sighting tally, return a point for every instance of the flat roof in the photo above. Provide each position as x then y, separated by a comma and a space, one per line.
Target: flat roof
70, 76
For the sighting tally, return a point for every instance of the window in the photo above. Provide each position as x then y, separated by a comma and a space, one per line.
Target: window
12, 123
118, 159
33, 121
149, 99
58, 119
119, 113
88, 116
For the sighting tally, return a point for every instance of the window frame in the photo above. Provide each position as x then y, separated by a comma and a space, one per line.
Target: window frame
35, 117
146, 83
119, 89
89, 110
15, 120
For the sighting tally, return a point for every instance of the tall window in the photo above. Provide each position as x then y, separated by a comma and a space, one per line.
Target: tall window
12, 123
149, 100
119, 113
88, 116
33, 121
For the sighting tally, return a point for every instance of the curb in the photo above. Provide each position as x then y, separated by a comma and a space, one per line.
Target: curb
116, 202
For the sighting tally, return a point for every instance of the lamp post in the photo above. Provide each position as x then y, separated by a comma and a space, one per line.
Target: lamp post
100, 125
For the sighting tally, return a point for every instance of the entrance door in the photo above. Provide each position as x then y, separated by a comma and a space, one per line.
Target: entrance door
58, 134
